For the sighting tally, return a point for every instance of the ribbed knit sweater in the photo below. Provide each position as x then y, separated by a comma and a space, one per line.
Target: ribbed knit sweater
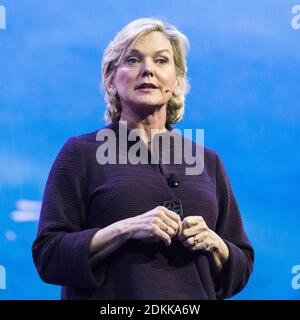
82, 196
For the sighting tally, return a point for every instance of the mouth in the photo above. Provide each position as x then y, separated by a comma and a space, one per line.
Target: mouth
146, 86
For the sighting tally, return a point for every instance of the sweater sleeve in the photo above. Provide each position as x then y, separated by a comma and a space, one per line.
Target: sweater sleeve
236, 271
61, 248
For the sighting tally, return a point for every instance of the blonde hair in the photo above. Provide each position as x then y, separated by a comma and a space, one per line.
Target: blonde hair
115, 51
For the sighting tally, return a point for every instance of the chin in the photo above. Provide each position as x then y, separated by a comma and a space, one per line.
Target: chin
150, 102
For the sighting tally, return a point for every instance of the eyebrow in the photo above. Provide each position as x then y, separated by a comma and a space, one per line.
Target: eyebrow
131, 51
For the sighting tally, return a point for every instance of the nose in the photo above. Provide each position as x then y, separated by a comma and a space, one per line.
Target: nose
147, 69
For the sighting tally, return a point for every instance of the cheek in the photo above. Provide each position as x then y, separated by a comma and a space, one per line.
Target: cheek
125, 82
168, 76
125, 75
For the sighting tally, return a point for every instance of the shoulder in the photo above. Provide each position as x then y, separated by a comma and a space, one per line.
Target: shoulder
84, 141
80, 150
210, 154
77, 148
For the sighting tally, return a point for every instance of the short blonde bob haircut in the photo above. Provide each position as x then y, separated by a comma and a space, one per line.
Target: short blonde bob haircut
115, 51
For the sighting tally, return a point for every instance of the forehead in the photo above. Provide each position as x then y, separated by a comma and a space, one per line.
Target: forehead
154, 41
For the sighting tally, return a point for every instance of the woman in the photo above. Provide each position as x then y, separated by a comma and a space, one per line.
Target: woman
105, 231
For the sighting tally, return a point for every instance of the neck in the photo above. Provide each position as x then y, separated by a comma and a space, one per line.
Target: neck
153, 123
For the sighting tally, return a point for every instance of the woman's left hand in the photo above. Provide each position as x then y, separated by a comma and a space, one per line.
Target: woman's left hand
197, 236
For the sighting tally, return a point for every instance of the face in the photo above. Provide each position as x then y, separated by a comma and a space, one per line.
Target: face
145, 73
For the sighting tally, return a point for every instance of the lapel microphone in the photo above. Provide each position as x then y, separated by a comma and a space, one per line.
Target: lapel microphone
169, 90
173, 180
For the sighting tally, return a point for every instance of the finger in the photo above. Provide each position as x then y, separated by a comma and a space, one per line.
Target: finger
171, 219
174, 217
162, 235
197, 230
173, 224
189, 242
192, 221
205, 244
165, 222
170, 230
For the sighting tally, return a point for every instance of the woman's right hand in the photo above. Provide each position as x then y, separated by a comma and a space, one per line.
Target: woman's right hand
159, 223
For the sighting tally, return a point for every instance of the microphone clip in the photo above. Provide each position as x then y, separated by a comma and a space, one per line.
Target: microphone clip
173, 180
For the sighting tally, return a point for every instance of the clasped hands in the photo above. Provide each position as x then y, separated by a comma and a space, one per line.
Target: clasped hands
161, 223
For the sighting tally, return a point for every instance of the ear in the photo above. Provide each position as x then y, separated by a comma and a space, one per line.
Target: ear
178, 86
112, 90
111, 87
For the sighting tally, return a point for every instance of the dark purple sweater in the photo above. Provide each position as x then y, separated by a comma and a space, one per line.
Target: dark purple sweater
82, 197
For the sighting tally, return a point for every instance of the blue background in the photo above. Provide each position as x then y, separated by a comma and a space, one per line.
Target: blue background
243, 67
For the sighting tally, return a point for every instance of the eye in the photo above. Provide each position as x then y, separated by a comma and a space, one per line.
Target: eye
132, 60
162, 60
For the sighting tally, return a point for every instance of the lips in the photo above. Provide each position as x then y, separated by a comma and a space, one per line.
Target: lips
146, 86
